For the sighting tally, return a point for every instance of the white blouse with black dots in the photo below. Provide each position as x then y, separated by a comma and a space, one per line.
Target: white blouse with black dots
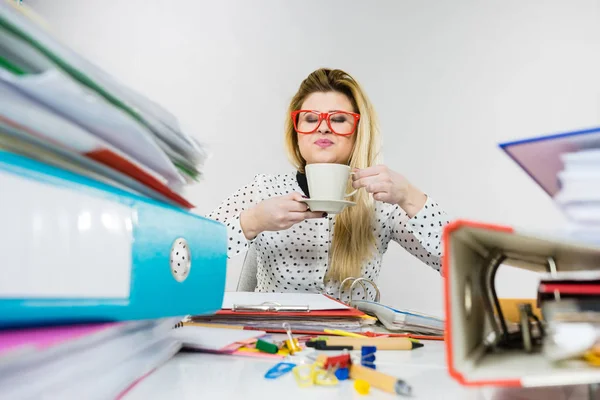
296, 259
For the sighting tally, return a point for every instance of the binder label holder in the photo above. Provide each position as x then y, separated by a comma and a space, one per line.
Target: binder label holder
181, 259
481, 349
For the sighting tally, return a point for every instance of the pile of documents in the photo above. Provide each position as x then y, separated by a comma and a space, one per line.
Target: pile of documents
570, 303
306, 313
579, 194
58, 107
91, 360
567, 167
79, 152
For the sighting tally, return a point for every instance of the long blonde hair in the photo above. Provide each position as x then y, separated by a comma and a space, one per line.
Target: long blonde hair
353, 241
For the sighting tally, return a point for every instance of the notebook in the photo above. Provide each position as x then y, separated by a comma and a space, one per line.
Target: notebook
402, 320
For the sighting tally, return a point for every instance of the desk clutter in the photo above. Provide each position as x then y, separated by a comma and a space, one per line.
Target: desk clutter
304, 335
312, 360
112, 274
313, 313
96, 232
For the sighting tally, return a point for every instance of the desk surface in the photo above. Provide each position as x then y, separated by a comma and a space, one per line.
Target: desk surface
193, 376
209, 376
201, 375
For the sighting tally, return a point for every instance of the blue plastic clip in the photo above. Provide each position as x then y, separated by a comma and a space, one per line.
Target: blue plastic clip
342, 373
367, 358
279, 369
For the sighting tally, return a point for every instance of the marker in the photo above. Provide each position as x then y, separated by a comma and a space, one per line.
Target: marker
380, 380
322, 345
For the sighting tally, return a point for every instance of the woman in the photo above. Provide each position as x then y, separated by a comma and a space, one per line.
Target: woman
330, 120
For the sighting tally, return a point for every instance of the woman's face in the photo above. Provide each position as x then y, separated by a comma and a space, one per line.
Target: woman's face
323, 146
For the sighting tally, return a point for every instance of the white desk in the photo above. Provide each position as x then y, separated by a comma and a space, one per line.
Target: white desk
193, 376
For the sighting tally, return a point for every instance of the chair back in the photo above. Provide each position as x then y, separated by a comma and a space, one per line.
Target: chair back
247, 280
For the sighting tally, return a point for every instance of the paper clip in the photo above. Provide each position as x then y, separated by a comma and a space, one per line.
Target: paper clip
341, 361
367, 358
342, 374
291, 343
326, 377
592, 358
279, 369
304, 375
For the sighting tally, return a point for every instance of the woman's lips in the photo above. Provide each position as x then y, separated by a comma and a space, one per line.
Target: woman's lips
323, 143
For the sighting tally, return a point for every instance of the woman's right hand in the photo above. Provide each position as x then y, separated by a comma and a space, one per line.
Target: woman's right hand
276, 214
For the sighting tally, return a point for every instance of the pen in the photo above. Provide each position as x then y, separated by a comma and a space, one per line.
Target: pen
380, 380
322, 345
382, 343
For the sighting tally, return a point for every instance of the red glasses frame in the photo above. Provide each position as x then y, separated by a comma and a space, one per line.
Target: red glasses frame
327, 117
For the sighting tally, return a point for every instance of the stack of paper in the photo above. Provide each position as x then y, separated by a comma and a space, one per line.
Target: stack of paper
102, 360
405, 321
59, 110
57, 106
567, 167
579, 195
570, 303
304, 312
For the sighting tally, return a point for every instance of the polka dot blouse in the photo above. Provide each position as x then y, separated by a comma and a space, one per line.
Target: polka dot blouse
296, 259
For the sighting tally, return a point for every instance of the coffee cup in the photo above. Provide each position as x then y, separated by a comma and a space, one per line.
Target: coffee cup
328, 181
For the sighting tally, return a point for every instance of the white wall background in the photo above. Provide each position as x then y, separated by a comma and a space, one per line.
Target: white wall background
450, 80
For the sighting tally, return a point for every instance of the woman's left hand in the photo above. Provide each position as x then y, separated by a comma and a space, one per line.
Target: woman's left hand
390, 187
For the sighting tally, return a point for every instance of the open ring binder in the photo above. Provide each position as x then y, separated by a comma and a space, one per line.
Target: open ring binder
354, 282
269, 306
481, 349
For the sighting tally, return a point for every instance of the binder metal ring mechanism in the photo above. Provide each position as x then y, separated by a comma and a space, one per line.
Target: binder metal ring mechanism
482, 349
269, 306
354, 282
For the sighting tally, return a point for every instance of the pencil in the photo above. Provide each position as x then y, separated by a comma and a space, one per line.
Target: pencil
382, 343
342, 333
380, 380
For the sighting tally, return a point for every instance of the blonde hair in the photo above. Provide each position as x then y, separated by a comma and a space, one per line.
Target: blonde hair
353, 242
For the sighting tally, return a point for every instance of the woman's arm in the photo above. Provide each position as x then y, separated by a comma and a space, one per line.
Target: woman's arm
416, 221
229, 212
421, 234
247, 214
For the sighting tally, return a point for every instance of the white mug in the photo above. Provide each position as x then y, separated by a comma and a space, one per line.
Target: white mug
328, 181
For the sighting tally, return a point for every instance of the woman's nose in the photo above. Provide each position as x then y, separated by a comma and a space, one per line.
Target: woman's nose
323, 127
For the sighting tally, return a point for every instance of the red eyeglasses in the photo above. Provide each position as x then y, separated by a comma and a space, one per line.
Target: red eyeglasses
341, 123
